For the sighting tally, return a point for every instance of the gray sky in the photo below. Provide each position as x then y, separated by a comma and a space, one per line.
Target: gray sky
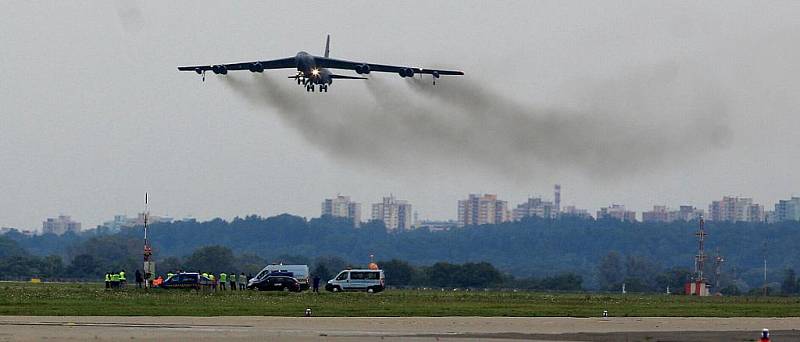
617, 97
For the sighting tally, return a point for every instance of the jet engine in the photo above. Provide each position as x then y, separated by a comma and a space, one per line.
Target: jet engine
219, 69
256, 67
362, 69
435, 74
407, 72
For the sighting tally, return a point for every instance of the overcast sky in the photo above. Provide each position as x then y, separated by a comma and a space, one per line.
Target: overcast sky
93, 112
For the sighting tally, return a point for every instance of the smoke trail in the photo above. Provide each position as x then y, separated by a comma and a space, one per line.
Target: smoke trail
466, 124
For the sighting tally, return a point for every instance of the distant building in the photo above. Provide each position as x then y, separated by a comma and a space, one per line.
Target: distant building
787, 210
617, 212
123, 221
438, 226
5, 230
557, 198
395, 214
571, 210
661, 213
535, 207
482, 209
688, 213
342, 206
736, 209
60, 225
658, 214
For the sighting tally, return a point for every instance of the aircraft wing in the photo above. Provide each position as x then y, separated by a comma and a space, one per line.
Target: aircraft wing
350, 65
347, 77
284, 63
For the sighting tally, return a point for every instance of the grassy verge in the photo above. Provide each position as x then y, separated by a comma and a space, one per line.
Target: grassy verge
92, 299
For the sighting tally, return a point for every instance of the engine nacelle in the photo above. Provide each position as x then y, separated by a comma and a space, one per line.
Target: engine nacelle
219, 69
362, 69
407, 72
256, 67
435, 74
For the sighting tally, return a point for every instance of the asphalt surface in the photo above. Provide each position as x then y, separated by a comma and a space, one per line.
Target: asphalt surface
37, 328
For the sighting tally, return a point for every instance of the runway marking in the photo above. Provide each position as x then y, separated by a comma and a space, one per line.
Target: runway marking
126, 325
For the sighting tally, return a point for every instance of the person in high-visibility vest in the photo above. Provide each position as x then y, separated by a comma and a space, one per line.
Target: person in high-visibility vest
108, 280
114, 280
232, 279
170, 274
206, 275
122, 280
223, 279
213, 281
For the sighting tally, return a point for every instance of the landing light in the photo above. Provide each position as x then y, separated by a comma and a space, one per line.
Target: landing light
315, 72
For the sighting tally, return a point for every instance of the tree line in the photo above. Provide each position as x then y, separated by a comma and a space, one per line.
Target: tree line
649, 254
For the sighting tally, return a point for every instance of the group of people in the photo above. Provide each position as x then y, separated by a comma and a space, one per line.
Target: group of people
117, 280
224, 280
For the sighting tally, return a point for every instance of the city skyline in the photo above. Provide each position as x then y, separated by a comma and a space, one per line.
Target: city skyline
738, 209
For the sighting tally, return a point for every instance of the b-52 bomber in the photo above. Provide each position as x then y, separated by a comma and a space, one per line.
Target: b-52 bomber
314, 70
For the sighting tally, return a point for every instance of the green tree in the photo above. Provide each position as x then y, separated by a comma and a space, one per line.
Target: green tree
789, 284
397, 272
610, 271
213, 259
85, 266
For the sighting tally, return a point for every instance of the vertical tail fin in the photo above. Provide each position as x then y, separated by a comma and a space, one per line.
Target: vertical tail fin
328, 47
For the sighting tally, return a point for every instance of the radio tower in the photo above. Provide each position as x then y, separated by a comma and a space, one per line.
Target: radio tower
698, 285
700, 258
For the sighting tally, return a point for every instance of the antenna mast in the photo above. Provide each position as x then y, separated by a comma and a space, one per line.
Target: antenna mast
700, 258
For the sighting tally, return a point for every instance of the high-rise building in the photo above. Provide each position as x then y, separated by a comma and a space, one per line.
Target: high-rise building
123, 221
571, 210
395, 214
658, 214
557, 198
688, 213
787, 210
617, 212
342, 206
661, 213
735, 209
60, 225
535, 207
482, 209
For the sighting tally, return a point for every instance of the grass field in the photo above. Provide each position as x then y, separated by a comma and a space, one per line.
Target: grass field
93, 299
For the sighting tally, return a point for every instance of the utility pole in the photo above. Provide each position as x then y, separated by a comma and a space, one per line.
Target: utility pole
718, 260
149, 265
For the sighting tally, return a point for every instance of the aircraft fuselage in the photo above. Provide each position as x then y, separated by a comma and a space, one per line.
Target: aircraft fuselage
307, 66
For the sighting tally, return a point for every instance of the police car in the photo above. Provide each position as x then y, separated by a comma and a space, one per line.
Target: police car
277, 281
186, 281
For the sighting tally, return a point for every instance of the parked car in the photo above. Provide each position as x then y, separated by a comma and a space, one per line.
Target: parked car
277, 281
299, 272
186, 281
357, 280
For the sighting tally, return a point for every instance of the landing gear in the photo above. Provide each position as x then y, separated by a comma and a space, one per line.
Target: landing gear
323, 87
310, 87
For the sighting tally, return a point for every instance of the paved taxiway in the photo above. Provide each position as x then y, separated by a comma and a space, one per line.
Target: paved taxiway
25, 328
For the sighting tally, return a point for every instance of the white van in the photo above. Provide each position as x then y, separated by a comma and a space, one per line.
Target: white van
357, 280
299, 272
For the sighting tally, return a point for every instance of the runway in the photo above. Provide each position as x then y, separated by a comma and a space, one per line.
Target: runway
29, 328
